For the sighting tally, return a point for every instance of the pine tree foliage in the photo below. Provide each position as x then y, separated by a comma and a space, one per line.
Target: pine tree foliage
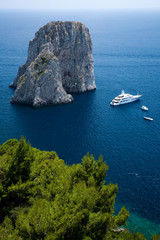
43, 198
155, 237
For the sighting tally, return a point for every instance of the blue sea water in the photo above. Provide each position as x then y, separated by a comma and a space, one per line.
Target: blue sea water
126, 53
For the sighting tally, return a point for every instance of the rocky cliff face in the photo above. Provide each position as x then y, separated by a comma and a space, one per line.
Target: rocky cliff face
60, 61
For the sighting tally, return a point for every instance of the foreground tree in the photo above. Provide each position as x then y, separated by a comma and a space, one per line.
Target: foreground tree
155, 237
43, 198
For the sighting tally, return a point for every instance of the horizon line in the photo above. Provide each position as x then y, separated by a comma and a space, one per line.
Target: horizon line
78, 9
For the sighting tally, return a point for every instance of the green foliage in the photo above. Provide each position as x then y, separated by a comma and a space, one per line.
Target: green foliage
39, 64
122, 216
41, 73
155, 237
7, 147
43, 198
36, 66
7, 231
19, 167
124, 236
44, 60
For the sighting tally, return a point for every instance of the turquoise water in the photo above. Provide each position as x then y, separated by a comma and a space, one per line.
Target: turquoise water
127, 57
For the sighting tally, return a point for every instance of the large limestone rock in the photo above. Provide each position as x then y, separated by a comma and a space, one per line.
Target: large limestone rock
60, 61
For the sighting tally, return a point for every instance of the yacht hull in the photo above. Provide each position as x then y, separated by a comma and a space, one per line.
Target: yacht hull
133, 99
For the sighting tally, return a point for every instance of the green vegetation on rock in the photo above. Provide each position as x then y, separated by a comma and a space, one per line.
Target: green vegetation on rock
36, 66
41, 73
44, 60
43, 198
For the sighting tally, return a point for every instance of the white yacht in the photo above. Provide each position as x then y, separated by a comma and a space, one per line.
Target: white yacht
124, 98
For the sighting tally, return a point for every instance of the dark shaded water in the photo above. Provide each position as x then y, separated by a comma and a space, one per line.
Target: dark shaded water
127, 56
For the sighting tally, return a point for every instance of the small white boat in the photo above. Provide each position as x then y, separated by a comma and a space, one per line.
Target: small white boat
124, 98
144, 108
148, 118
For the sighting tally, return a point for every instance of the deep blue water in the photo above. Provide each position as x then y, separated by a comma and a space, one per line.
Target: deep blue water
127, 57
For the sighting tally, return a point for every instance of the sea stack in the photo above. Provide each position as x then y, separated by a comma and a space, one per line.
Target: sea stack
60, 62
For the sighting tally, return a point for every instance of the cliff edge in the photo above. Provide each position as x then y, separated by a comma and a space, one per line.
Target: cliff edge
60, 61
